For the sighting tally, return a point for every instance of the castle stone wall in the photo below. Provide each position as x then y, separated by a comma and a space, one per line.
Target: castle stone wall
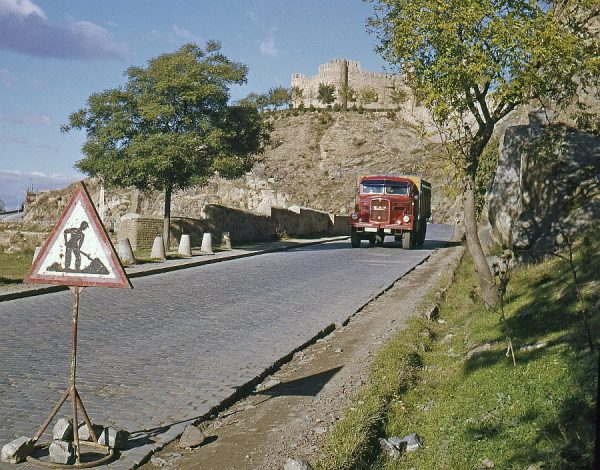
334, 73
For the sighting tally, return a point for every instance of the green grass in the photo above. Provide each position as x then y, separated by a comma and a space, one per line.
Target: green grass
14, 266
468, 410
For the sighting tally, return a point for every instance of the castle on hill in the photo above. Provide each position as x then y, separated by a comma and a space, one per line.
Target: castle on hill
369, 90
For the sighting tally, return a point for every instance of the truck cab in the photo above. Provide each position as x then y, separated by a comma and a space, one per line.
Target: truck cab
394, 205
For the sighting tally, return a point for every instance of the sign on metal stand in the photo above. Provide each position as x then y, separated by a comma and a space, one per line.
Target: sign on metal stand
79, 254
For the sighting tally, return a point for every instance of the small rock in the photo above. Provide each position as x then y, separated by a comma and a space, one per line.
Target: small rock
297, 464
173, 457
339, 350
446, 339
114, 438
441, 322
155, 460
427, 406
62, 452
63, 430
486, 463
84, 433
17, 450
531, 347
413, 442
269, 384
191, 437
537, 466
393, 446
478, 350
320, 430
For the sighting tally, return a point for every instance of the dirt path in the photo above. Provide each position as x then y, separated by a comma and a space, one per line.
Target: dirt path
290, 413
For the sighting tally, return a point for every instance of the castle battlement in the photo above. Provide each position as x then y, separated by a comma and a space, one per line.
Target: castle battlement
343, 73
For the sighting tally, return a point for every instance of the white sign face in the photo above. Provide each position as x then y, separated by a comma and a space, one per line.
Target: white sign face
78, 251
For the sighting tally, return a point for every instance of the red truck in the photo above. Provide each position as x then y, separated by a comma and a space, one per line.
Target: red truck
395, 205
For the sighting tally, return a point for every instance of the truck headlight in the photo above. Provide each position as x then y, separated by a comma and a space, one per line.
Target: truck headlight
406, 219
354, 216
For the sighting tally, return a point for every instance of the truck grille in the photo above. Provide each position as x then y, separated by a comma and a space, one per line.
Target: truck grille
380, 211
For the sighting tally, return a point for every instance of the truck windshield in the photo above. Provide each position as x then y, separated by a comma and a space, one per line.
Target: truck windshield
381, 187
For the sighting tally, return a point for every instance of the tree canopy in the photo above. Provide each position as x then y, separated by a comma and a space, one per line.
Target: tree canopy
170, 125
326, 93
472, 62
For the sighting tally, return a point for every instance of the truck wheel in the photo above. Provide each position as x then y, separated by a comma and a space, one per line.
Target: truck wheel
407, 240
354, 238
372, 241
379, 239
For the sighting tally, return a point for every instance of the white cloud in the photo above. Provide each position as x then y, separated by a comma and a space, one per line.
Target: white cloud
25, 28
21, 8
268, 47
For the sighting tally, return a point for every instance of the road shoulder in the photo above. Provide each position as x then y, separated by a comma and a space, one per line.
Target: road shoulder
290, 413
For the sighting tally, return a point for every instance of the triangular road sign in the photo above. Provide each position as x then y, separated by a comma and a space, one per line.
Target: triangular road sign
78, 252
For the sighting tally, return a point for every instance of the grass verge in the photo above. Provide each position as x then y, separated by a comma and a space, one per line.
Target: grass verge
453, 384
14, 266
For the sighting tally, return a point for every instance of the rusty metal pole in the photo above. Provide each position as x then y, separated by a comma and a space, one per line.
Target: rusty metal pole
74, 369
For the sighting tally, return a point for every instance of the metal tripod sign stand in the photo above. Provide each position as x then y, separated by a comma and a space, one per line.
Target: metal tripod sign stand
78, 231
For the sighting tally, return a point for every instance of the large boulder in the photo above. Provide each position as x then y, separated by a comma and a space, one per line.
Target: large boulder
547, 182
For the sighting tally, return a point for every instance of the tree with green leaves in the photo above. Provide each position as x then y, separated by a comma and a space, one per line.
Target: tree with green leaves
472, 62
326, 93
347, 95
398, 94
279, 97
170, 126
367, 95
297, 95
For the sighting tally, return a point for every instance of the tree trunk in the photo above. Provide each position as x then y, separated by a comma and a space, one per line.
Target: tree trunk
485, 278
167, 219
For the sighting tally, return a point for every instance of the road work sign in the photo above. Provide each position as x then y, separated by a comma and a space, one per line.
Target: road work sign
78, 252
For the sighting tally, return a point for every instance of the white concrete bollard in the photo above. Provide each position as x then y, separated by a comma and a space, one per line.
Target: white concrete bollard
158, 248
226, 241
185, 247
124, 251
207, 244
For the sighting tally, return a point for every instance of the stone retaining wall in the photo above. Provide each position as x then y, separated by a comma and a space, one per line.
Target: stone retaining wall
242, 226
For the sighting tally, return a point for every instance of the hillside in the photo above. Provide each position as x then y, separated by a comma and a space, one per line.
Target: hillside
312, 161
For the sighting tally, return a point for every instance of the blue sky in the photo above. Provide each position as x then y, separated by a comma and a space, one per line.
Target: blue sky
55, 53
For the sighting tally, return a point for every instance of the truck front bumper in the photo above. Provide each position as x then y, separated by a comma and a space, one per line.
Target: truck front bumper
388, 229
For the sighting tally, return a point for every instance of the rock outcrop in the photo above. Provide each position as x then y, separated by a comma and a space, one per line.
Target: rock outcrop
547, 182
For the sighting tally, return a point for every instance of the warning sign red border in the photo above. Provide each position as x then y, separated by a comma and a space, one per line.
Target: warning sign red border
119, 280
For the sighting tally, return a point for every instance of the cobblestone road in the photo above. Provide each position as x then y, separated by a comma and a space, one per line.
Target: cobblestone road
179, 343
